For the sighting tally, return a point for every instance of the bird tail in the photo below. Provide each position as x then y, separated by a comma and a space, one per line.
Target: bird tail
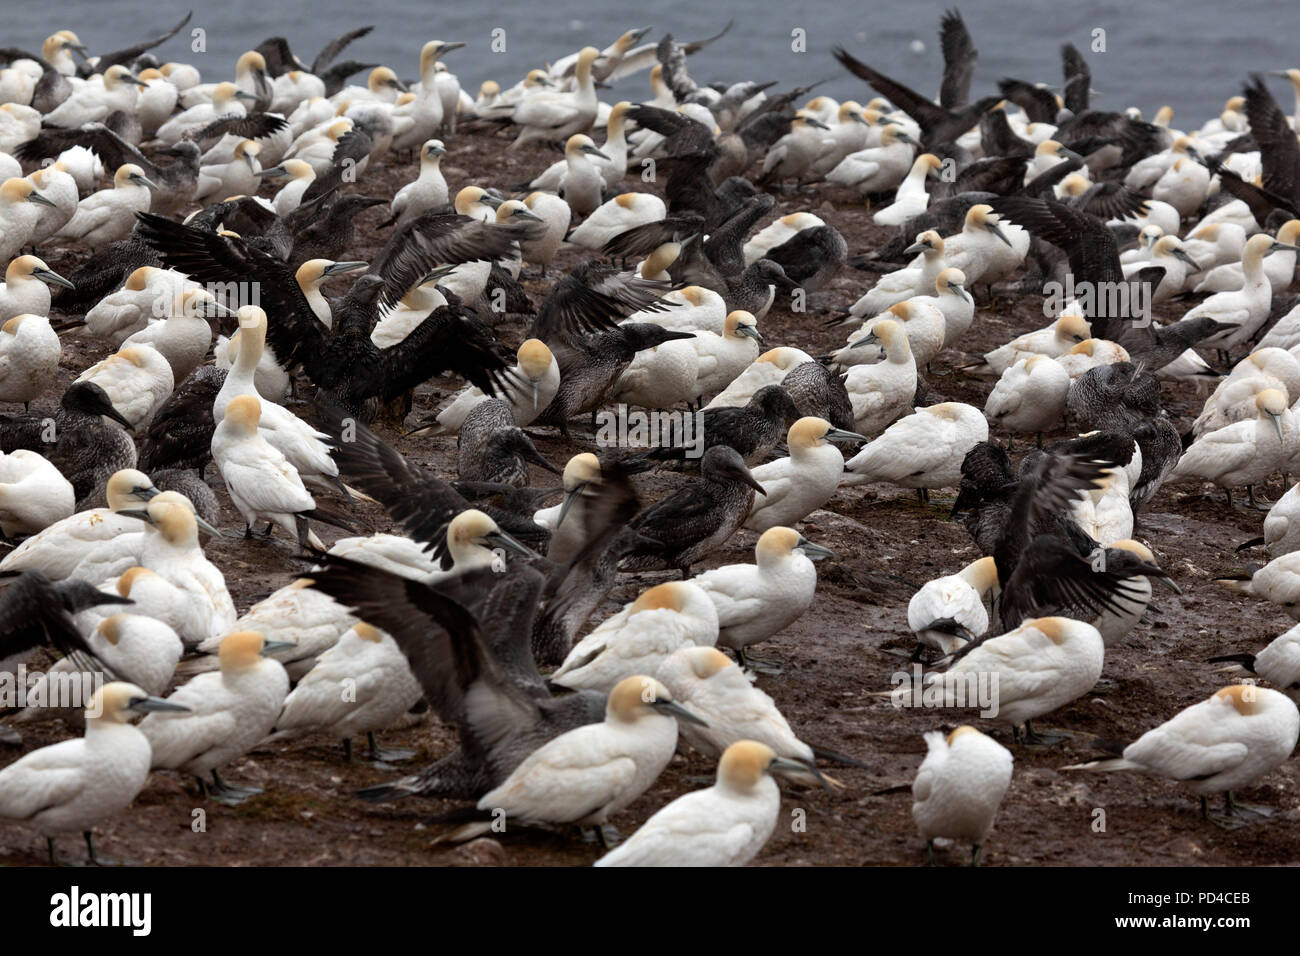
1240, 662
1252, 543
1102, 766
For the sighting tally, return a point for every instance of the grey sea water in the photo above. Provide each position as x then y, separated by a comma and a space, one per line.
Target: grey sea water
1192, 54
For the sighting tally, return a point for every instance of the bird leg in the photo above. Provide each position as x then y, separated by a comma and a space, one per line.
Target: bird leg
1040, 741
54, 860
608, 836
229, 794
380, 755
975, 854
758, 664
1235, 815
929, 853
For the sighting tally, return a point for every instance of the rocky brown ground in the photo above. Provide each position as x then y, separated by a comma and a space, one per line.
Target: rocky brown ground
842, 650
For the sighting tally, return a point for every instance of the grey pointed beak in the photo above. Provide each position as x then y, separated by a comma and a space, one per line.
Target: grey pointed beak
270, 647
144, 181
839, 434
671, 707
528, 214
210, 530
1277, 424
435, 274
1065, 153
40, 200
49, 275
815, 552
1169, 583
994, 228
154, 705
905, 138
784, 765
242, 95
812, 121
869, 339
437, 151
751, 331
448, 47
491, 201
137, 81
503, 540
1282, 245
273, 172
917, 248
1184, 257
536, 457
398, 85
340, 268
535, 392
593, 151
569, 498
750, 480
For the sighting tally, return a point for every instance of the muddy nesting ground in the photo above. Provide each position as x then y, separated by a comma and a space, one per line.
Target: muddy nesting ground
846, 646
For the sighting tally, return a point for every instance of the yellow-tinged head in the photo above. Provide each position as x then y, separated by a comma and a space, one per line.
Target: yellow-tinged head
368, 633
808, 432
1136, 548
743, 764
130, 577
635, 697
1073, 327
671, 596
114, 702
776, 543
535, 359
707, 661
128, 487
962, 731
1271, 401
737, 321
581, 470
240, 650
1243, 697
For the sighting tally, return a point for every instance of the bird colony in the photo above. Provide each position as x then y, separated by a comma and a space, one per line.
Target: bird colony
394, 472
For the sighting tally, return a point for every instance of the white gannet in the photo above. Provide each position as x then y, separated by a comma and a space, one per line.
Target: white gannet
109, 215
1247, 308
29, 357
1278, 662
57, 184
983, 250
238, 176
883, 392
531, 385
879, 168
130, 647
554, 116
229, 712
660, 377
922, 322
20, 209
300, 176
581, 181
1245, 452
184, 335
171, 551
33, 493
360, 685
692, 308
723, 357
1281, 524
227, 101
1030, 396
71, 786
625, 211
587, 775
117, 88
949, 611
770, 368
1168, 253
959, 787
92, 545
1089, 354
1042, 665
555, 213
25, 290
923, 450
757, 601
911, 199
427, 110
156, 101
1279, 269
300, 444
1114, 625
1069, 329
639, 637
917, 278
1233, 399
261, 482
725, 825
567, 521
147, 294
796, 486
137, 380
427, 191
714, 688
1215, 244
793, 155
1219, 745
